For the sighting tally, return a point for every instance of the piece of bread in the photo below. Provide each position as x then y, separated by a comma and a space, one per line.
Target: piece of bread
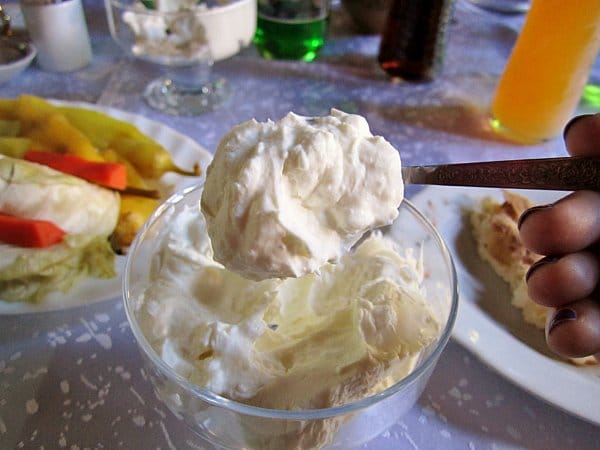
494, 227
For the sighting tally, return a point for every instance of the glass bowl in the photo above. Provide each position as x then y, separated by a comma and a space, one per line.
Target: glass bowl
234, 425
185, 38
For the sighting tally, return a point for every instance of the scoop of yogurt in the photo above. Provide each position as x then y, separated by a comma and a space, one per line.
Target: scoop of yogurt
283, 198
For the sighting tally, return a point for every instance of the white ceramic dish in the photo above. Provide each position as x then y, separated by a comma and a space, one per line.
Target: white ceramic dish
185, 152
10, 70
492, 329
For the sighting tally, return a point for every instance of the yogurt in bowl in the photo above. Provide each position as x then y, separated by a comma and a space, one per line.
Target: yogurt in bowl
325, 360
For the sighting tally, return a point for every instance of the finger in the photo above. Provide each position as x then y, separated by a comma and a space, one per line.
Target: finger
556, 281
573, 331
582, 135
567, 226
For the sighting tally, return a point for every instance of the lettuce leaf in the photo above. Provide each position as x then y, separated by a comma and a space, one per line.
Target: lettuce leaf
30, 274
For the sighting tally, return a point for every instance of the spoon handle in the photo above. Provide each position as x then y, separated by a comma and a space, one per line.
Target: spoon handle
562, 174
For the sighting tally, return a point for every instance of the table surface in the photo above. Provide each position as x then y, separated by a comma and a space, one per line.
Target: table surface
73, 379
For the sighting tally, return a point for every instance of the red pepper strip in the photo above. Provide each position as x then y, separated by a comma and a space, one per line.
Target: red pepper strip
29, 232
110, 175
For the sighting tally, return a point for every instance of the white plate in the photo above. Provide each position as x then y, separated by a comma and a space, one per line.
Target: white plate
489, 326
185, 153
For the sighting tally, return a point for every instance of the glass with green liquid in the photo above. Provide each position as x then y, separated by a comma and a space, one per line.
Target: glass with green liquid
291, 29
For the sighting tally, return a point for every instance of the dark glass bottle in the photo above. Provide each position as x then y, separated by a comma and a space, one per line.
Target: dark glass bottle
413, 38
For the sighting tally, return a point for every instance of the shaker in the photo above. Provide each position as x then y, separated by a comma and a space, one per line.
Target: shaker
413, 38
59, 31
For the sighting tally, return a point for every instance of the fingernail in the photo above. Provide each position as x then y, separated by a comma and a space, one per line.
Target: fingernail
561, 316
540, 262
571, 122
528, 212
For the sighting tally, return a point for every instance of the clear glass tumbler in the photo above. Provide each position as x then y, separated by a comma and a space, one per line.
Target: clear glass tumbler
547, 70
291, 29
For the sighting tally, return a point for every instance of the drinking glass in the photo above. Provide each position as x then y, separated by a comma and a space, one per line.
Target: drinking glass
547, 70
185, 38
291, 29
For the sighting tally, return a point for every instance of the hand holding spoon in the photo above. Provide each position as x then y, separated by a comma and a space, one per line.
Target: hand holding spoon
563, 174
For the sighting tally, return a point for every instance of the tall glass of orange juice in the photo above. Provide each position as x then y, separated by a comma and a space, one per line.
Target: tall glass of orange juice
546, 72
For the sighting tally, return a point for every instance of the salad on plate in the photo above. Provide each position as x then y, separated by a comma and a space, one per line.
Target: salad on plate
76, 185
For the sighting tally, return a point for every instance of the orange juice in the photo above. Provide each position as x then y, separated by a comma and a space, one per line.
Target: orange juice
547, 69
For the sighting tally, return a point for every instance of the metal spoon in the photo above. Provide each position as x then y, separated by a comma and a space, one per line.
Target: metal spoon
561, 174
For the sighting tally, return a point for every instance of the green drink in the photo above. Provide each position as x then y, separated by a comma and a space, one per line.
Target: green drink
591, 95
291, 29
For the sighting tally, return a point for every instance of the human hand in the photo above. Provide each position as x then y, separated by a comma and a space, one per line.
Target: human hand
568, 278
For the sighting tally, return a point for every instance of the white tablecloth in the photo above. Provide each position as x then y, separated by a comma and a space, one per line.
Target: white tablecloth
73, 379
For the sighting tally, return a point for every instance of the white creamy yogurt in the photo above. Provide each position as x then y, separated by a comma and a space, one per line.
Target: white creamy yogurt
283, 198
310, 342
176, 36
